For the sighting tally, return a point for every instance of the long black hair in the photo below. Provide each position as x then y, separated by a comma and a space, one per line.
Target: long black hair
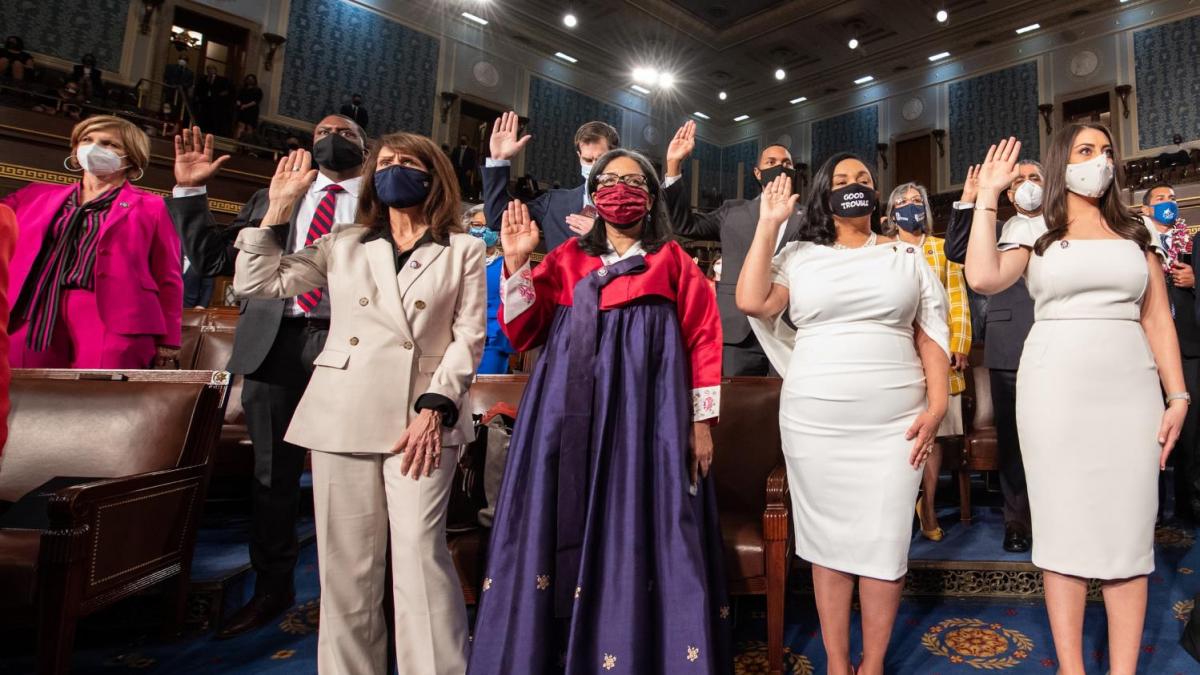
816, 223
656, 228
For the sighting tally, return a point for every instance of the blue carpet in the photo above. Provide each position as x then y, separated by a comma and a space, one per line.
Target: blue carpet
982, 540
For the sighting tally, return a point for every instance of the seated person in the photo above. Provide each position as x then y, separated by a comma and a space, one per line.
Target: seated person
70, 101
15, 62
88, 77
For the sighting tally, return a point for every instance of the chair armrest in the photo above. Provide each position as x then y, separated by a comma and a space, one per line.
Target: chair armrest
776, 515
76, 502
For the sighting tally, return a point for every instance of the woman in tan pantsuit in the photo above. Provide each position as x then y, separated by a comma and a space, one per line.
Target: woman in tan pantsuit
382, 412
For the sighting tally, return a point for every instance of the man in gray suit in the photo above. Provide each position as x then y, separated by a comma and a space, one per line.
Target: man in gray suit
1007, 323
276, 340
733, 224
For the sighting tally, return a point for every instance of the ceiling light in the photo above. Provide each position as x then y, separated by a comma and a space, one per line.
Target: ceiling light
645, 75
666, 80
639, 89
939, 56
864, 79
477, 19
722, 95
564, 57
780, 73
1026, 29
802, 99
942, 16
570, 21
741, 118
701, 115
853, 43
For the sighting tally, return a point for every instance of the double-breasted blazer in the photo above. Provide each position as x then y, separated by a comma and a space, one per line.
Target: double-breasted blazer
393, 335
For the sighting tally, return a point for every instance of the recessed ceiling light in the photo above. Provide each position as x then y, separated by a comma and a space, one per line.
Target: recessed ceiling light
666, 80
722, 95
567, 58
1026, 29
801, 99
477, 19
570, 21
780, 73
942, 16
639, 89
701, 115
939, 56
864, 79
741, 118
853, 43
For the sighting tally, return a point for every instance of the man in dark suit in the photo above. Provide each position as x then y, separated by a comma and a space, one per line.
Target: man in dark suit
561, 214
733, 224
465, 161
355, 111
276, 340
1162, 211
1007, 323
214, 101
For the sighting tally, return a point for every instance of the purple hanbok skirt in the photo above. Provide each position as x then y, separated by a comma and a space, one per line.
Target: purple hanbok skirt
605, 562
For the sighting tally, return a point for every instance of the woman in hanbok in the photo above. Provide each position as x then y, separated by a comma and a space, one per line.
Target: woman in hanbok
606, 553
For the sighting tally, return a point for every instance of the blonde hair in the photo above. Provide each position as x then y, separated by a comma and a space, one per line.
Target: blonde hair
136, 142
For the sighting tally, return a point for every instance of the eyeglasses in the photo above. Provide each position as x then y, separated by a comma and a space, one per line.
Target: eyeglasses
633, 180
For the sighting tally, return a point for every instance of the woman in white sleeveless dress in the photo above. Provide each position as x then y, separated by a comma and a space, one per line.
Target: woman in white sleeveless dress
1094, 433
856, 416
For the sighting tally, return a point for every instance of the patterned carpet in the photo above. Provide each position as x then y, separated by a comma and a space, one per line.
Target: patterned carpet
931, 638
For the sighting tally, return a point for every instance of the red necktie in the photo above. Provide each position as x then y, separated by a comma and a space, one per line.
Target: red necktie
322, 223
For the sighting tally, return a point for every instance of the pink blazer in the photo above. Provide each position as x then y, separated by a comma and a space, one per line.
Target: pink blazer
139, 273
8, 240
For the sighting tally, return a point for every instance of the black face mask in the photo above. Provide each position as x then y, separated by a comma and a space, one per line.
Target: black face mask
772, 173
337, 154
853, 201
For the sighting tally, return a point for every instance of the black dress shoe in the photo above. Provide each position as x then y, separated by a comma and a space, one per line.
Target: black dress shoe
257, 613
1016, 540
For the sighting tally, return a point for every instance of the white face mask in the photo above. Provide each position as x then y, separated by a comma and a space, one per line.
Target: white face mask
717, 271
97, 160
1090, 178
1028, 196
586, 170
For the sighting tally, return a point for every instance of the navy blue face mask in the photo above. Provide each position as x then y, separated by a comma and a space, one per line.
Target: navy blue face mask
401, 187
910, 217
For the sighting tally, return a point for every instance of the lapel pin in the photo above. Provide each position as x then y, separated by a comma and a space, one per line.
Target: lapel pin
124, 205
416, 264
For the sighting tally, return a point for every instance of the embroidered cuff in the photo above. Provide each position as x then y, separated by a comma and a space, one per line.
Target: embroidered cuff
517, 292
259, 241
706, 403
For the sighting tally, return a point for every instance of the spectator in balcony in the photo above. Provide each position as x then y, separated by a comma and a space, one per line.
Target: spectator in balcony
70, 101
212, 107
88, 77
465, 161
248, 99
15, 62
84, 300
180, 78
355, 111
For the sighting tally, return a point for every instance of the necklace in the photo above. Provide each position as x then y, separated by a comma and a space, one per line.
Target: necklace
868, 243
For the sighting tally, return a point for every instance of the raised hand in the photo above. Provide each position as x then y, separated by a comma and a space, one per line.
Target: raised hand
518, 235
999, 168
194, 164
505, 143
292, 177
680, 147
970, 185
777, 203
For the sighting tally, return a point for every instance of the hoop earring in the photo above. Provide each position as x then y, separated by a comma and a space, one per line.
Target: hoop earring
67, 163
141, 172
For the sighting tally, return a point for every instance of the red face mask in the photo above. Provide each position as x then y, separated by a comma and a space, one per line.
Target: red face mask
621, 205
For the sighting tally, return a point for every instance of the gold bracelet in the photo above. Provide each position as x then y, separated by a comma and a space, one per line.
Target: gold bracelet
985, 208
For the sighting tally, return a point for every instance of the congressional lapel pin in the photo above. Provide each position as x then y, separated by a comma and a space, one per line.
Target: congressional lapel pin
416, 264
124, 205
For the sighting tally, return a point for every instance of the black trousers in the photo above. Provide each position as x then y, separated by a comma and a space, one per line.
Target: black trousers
1186, 455
270, 396
745, 358
1012, 468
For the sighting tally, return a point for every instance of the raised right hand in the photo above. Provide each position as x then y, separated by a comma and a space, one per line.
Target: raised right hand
999, 169
505, 144
194, 163
518, 234
681, 146
778, 203
970, 185
292, 178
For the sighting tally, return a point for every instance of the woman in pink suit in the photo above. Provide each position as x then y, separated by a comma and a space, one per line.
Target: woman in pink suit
96, 280
8, 239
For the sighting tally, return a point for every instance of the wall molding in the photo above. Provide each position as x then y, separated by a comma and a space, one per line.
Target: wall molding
29, 174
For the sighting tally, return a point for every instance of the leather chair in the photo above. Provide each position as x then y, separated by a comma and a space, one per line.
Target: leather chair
207, 345
134, 447
980, 448
752, 493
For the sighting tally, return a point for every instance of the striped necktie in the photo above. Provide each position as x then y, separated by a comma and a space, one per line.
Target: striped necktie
322, 223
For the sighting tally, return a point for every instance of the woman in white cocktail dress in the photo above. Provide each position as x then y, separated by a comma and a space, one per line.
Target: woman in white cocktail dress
856, 415
1090, 412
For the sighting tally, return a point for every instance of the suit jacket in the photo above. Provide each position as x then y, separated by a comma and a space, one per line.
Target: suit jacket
138, 271
733, 224
211, 251
463, 159
214, 93
1009, 315
8, 241
358, 114
394, 336
549, 210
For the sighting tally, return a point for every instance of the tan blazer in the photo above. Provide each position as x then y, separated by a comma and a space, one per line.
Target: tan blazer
392, 337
